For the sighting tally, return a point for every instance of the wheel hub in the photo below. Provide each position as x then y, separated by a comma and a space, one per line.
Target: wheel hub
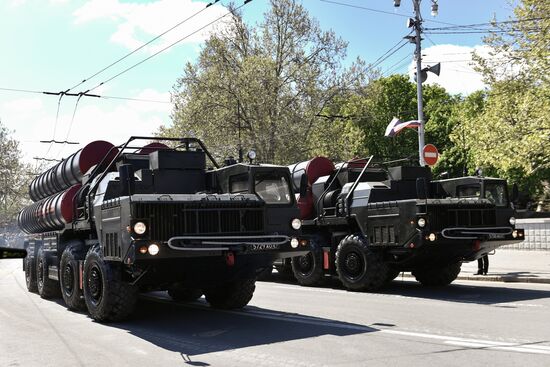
95, 284
305, 263
68, 279
353, 264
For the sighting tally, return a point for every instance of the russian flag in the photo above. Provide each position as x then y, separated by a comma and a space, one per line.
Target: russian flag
397, 125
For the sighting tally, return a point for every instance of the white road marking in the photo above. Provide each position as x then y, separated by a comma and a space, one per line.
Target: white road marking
475, 343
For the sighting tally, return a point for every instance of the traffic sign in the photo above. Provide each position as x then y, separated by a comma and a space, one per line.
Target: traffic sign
430, 154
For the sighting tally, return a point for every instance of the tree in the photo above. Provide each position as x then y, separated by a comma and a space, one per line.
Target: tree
13, 180
364, 116
512, 133
265, 83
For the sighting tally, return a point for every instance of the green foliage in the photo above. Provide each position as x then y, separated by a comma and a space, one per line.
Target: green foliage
13, 179
511, 135
271, 80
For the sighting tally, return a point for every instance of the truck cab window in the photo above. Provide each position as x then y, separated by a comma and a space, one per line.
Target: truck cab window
272, 188
468, 191
238, 184
496, 192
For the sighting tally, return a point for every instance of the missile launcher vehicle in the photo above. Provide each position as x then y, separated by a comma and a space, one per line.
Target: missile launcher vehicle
111, 221
367, 223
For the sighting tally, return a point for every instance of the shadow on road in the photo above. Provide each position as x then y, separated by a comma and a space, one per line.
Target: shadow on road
194, 329
480, 293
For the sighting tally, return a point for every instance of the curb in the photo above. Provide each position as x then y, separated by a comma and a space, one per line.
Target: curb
497, 278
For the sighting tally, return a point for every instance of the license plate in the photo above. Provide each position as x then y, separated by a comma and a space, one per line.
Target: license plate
264, 246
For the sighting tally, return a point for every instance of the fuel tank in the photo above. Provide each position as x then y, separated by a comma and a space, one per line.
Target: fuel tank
69, 172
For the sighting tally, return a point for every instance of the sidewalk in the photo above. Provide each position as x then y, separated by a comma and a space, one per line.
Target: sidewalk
512, 266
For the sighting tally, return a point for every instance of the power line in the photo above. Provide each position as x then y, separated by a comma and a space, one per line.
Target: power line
365, 8
492, 24
167, 47
391, 68
145, 44
86, 95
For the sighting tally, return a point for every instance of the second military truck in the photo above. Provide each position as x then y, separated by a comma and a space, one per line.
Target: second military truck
109, 222
368, 223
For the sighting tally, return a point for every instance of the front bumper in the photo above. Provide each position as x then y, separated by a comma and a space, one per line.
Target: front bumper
273, 246
453, 244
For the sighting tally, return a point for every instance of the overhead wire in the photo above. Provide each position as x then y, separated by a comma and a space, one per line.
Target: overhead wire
167, 47
144, 45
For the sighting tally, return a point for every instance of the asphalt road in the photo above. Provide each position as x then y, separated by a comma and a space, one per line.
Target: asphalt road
466, 324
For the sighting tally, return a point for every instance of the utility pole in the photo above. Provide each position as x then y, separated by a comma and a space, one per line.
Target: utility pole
420, 74
418, 56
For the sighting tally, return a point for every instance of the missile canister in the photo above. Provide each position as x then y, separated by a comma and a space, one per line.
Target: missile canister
314, 168
70, 171
49, 214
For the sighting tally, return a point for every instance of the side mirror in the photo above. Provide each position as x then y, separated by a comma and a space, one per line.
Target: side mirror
303, 185
12, 253
444, 175
515, 193
421, 188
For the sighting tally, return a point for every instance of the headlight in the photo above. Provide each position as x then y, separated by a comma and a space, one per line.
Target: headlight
140, 228
512, 221
153, 249
515, 234
296, 223
421, 222
294, 242
432, 237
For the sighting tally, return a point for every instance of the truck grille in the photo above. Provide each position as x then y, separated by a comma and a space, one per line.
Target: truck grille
444, 217
167, 219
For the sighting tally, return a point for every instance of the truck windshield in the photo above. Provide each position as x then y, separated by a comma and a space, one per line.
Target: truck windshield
493, 191
496, 192
273, 188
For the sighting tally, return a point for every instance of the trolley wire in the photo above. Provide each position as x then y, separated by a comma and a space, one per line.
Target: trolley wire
144, 45
167, 47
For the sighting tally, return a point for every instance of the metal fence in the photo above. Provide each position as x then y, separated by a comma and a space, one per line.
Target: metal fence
537, 234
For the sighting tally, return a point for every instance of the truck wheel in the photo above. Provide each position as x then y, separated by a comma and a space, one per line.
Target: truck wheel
232, 295
47, 288
107, 297
358, 267
392, 274
30, 273
180, 294
285, 270
308, 269
69, 277
438, 277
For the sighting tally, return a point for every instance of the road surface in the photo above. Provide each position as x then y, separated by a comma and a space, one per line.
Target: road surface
466, 324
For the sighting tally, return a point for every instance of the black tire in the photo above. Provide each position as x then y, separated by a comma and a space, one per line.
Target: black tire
358, 267
107, 296
69, 277
285, 270
46, 287
308, 269
180, 294
232, 295
439, 276
392, 274
29, 264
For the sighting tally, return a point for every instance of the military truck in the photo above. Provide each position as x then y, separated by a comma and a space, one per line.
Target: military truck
110, 221
369, 222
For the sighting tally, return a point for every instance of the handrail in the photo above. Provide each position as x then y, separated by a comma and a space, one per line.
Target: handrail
354, 186
123, 147
322, 196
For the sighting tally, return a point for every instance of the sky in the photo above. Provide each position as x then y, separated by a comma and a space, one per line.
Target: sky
53, 45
